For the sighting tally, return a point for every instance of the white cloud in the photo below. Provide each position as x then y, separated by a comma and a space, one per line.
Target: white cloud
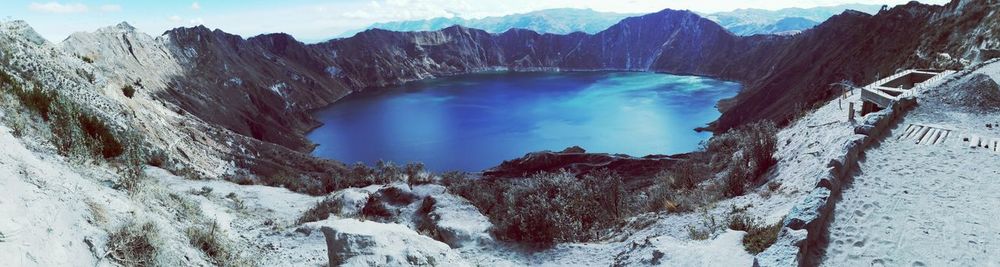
58, 8
111, 8
195, 6
197, 21
175, 19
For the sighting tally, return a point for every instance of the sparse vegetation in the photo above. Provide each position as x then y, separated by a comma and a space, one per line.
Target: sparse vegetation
321, 211
105, 142
87, 59
237, 202
35, 99
415, 174
759, 236
357, 175
733, 161
208, 239
752, 148
134, 244
73, 129
425, 225
375, 209
185, 208
709, 226
98, 213
128, 90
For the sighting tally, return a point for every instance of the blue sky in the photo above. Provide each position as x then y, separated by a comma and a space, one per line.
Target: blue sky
318, 20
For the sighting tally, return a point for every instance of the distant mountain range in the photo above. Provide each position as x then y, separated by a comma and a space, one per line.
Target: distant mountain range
559, 21
789, 20
568, 20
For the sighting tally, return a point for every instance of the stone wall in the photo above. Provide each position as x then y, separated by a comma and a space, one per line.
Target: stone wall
803, 236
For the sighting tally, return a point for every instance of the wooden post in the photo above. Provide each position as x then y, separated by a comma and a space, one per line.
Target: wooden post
850, 112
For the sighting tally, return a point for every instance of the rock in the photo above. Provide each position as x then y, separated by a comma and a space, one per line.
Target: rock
458, 222
351, 242
352, 200
574, 149
807, 210
784, 251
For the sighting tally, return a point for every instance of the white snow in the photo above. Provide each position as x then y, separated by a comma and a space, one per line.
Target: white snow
724, 250
368, 243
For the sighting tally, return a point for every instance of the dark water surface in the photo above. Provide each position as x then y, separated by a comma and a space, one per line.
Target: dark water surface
476, 121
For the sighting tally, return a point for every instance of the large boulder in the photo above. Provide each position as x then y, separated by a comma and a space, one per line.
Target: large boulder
456, 221
351, 242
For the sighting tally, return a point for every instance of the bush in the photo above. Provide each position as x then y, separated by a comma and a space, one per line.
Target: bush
134, 244
105, 142
35, 100
395, 196
425, 224
207, 239
415, 174
759, 237
321, 211
128, 90
744, 154
688, 173
549, 207
87, 59
157, 159
375, 210
290, 181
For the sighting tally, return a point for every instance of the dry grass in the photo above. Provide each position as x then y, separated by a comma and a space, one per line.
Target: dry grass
208, 239
321, 211
98, 213
759, 236
134, 244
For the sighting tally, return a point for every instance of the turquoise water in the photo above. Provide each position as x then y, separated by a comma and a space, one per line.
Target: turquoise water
473, 122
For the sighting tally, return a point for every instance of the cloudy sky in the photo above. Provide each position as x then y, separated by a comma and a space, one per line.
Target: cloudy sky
314, 20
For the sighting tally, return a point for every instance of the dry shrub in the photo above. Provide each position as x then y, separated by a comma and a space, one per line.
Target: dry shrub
321, 211
208, 239
743, 155
550, 207
759, 236
375, 209
98, 213
134, 244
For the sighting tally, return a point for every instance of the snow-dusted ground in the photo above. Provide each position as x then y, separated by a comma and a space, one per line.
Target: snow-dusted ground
923, 205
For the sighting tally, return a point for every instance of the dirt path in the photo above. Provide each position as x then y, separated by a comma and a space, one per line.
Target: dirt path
920, 205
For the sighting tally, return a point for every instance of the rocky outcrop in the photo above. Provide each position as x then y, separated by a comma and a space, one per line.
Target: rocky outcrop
576, 161
351, 242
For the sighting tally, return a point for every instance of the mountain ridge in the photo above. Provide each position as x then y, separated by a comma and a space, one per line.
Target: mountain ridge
556, 20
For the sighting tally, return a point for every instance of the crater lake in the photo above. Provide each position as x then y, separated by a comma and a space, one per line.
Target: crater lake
476, 121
